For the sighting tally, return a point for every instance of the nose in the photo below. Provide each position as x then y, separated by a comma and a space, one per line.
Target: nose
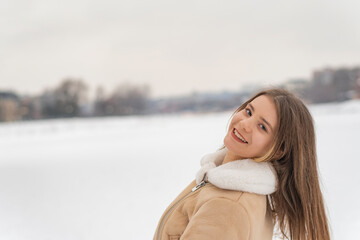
246, 125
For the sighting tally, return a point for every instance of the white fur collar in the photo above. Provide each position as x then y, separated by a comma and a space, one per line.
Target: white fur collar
241, 175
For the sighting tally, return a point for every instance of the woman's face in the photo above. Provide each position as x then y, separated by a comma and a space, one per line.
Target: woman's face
252, 130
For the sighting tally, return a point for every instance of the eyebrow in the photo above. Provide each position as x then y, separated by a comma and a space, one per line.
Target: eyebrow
267, 123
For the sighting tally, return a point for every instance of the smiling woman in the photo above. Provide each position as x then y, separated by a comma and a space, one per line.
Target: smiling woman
264, 175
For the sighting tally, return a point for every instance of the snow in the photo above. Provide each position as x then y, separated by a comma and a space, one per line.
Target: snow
112, 178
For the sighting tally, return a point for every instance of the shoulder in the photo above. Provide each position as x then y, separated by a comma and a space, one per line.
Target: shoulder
217, 212
244, 198
233, 212
251, 204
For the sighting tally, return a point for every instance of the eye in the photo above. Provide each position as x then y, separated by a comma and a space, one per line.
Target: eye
262, 126
248, 111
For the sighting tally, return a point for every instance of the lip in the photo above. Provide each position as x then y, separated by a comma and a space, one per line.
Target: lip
236, 138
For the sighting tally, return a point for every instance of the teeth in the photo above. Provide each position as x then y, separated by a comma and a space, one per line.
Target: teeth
239, 136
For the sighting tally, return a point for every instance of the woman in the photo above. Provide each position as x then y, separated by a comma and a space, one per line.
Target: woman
264, 175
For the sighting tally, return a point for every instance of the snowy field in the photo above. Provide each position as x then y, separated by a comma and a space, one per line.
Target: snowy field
111, 178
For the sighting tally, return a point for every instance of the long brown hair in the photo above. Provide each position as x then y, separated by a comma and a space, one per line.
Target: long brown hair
297, 205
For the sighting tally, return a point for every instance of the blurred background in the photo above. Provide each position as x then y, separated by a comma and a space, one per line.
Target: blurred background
106, 107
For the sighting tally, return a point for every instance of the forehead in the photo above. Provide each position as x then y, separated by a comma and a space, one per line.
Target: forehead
265, 107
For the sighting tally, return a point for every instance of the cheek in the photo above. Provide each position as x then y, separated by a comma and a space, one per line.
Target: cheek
232, 123
268, 144
237, 117
263, 142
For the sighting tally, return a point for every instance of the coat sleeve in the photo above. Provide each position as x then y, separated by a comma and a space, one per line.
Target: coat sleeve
218, 219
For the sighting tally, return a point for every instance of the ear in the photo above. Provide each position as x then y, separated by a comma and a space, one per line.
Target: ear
279, 154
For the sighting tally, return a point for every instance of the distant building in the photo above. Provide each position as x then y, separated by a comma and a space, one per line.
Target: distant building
323, 77
339, 84
9, 106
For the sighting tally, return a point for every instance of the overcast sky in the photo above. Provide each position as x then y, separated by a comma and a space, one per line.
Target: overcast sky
174, 46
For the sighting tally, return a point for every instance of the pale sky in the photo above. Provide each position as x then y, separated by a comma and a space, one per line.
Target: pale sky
174, 46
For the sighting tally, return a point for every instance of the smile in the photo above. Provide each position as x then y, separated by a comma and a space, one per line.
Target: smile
238, 136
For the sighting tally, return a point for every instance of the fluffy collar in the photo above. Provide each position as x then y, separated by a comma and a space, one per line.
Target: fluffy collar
241, 175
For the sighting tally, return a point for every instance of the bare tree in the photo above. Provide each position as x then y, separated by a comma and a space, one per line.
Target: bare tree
126, 99
66, 99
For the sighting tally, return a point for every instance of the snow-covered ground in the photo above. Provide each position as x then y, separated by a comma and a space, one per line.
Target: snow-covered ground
111, 178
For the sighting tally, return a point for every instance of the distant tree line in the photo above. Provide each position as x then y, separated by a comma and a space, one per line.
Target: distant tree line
70, 98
